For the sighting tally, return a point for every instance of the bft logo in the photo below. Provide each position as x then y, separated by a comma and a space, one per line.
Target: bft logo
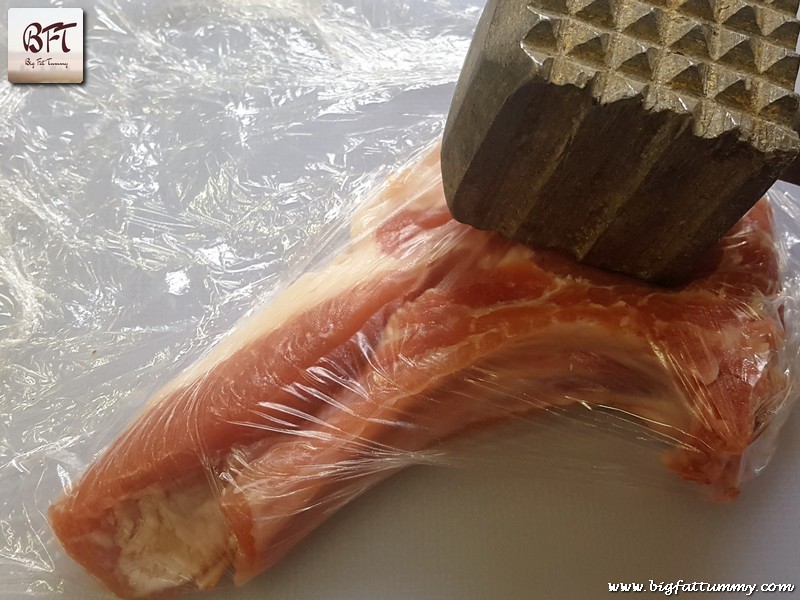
45, 45
32, 36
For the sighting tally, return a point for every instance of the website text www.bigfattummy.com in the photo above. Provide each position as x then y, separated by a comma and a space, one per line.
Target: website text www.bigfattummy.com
670, 588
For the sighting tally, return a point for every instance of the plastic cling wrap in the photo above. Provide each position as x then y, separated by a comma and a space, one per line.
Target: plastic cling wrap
424, 330
228, 162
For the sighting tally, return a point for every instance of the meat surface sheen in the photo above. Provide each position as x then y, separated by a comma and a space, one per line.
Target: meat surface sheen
423, 331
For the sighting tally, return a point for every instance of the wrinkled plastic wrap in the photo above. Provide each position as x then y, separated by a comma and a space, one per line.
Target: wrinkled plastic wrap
228, 163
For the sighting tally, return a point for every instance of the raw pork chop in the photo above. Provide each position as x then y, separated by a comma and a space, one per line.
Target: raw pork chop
424, 330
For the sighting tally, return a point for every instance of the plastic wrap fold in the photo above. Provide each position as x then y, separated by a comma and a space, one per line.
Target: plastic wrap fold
220, 322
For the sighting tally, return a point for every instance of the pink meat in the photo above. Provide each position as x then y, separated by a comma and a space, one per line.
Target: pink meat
425, 330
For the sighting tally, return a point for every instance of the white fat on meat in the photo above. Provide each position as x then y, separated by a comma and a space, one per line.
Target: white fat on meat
172, 539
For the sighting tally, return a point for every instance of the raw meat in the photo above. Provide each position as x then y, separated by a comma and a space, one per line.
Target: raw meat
424, 330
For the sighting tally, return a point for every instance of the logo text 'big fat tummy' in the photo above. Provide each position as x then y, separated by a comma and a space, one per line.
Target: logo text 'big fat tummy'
45, 45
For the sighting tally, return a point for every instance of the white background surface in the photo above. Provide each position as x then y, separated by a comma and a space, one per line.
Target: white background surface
556, 515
